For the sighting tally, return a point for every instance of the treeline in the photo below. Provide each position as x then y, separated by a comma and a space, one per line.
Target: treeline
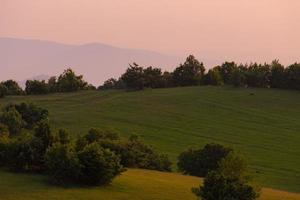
192, 72
28, 144
68, 81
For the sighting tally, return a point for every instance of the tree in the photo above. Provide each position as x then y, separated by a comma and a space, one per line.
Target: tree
277, 75
213, 77
189, 73
4, 145
24, 154
30, 113
52, 84
98, 165
12, 87
12, 119
36, 87
109, 84
238, 78
62, 163
70, 82
3, 90
226, 71
133, 78
153, 77
229, 181
258, 75
200, 162
293, 76
136, 154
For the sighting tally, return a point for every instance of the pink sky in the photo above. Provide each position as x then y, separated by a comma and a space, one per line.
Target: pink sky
241, 30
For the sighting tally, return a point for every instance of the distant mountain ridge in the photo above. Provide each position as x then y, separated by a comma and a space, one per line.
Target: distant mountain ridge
22, 58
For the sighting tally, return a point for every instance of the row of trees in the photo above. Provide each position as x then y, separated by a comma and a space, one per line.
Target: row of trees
27, 144
68, 81
192, 72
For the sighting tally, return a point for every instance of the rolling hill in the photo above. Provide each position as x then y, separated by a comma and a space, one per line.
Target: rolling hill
263, 124
97, 62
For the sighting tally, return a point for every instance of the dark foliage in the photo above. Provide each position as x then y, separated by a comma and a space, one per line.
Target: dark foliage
229, 181
35, 87
12, 87
189, 73
200, 162
98, 165
30, 113
133, 78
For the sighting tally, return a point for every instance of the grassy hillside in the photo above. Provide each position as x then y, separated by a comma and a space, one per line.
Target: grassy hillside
264, 124
133, 184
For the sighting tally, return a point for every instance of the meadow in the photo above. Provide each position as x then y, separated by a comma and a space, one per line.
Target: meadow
135, 184
262, 124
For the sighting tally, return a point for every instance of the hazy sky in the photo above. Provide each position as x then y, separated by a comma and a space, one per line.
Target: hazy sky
241, 30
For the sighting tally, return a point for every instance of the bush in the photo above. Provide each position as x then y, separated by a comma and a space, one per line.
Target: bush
24, 154
12, 119
3, 90
136, 154
62, 163
228, 182
200, 162
4, 145
36, 87
98, 165
30, 113
12, 87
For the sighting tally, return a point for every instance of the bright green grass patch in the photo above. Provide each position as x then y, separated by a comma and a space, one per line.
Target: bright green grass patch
263, 124
133, 184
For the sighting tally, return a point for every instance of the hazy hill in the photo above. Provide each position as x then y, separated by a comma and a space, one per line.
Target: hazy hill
20, 59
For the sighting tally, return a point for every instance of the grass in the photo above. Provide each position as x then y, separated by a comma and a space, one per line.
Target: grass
263, 124
133, 184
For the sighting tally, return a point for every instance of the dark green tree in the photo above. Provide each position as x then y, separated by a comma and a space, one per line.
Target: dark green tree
68, 81
153, 77
12, 119
229, 181
62, 163
277, 75
12, 87
189, 73
133, 78
200, 162
36, 87
98, 165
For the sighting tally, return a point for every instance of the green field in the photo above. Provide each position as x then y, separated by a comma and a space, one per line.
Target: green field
263, 124
133, 184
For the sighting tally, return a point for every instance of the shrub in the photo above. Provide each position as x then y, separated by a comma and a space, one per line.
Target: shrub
4, 145
228, 182
3, 90
200, 162
62, 163
31, 113
12, 119
12, 87
36, 87
62, 137
24, 154
136, 154
98, 165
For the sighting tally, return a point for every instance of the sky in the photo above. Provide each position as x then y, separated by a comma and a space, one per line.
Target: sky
240, 30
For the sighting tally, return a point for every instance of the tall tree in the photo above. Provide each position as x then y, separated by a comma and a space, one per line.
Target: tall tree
189, 73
